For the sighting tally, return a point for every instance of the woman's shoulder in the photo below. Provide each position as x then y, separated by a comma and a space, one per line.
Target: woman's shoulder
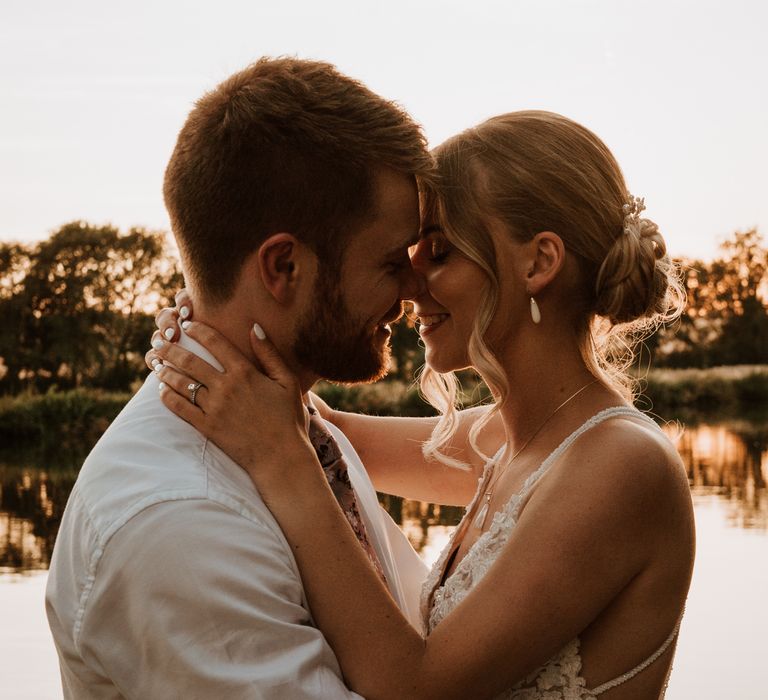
622, 461
629, 460
627, 440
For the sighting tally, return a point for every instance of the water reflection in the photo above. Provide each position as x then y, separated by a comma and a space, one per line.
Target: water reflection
725, 460
31, 505
428, 526
729, 460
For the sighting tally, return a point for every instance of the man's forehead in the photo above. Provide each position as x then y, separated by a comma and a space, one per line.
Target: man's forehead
387, 235
394, 223
406, 241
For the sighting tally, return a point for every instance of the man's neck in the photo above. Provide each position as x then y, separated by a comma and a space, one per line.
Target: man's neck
236, 328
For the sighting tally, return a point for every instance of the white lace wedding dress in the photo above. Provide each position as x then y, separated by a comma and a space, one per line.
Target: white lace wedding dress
560, 678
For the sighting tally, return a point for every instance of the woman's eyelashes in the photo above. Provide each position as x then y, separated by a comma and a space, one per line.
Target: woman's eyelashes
433, 248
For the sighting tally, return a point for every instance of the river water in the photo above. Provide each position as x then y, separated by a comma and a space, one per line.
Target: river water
722, 647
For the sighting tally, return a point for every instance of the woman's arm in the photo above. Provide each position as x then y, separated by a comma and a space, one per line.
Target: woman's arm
391, 450
551, 580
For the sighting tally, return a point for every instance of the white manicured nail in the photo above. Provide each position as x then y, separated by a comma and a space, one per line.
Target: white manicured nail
158, 367
158, 343
186, 324
259, 331
184, 311
161, 386
168, 333
154, 362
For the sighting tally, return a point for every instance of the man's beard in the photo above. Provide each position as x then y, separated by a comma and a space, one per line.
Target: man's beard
334, 346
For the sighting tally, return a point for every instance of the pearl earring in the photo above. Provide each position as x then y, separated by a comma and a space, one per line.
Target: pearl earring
535, 312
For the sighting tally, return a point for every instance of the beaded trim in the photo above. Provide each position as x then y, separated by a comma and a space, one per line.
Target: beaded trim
640, 667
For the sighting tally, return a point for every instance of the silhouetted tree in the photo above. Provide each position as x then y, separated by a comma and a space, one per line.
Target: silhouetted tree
726, 320
77, 307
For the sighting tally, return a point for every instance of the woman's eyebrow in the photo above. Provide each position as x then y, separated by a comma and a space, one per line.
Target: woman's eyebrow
429, 230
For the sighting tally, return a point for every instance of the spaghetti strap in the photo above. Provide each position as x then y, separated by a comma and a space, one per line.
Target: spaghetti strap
623, 678
605, 414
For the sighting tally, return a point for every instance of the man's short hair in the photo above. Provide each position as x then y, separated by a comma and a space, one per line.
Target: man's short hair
285, 145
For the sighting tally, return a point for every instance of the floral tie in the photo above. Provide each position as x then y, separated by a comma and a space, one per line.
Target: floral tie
336, 472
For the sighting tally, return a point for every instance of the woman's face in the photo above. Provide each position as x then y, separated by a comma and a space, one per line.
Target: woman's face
448, 306
453, 295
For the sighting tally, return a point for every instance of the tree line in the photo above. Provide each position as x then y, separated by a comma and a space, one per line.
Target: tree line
77, 309
726, 318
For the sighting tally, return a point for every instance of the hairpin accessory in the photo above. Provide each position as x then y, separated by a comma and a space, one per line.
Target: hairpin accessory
632, 209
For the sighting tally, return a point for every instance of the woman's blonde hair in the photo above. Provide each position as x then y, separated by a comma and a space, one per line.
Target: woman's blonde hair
537, 171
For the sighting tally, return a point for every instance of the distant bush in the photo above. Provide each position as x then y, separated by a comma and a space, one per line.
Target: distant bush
706, 389
72, 421
389, 398
395, 397
68, 420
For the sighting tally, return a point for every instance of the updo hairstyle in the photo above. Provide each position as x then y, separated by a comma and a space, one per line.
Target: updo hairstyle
537, 171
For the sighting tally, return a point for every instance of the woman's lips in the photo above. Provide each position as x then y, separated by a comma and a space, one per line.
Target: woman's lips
429, 323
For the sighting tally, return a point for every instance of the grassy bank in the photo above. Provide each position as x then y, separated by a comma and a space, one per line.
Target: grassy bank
72, 421
721, 389
734, 389
63, 421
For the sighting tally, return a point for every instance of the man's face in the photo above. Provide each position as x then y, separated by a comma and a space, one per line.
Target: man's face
344, 334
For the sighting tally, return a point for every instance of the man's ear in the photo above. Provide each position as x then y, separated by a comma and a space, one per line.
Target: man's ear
279, 264
547, 257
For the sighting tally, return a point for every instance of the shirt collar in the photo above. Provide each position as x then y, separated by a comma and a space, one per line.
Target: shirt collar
193, 346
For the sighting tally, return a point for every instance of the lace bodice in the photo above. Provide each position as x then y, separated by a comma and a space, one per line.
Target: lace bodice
560, 678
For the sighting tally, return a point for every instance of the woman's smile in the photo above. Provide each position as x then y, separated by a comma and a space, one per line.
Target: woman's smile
430, 323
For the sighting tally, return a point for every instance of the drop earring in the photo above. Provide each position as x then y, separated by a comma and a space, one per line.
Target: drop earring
535, 313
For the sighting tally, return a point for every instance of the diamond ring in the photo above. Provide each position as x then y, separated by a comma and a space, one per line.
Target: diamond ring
193, 388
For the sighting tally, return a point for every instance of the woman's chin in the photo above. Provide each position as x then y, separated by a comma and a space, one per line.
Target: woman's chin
442, 363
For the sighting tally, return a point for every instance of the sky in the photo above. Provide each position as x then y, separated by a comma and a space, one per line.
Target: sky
94, 93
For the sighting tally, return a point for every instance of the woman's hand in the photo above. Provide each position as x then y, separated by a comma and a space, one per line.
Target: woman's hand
167, 322
256, 417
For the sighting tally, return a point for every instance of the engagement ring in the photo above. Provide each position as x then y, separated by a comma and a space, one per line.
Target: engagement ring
194, 387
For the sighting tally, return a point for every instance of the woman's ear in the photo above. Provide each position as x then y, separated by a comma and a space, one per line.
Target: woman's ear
547, 257
278, 260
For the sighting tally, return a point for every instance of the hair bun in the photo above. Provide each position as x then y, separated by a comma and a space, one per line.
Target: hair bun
636, 275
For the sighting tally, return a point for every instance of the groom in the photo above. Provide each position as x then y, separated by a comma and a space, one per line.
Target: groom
293, 199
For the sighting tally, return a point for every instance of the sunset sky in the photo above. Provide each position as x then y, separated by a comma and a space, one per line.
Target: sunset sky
94, 93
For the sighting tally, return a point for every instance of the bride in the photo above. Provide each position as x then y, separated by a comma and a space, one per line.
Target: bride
567, 577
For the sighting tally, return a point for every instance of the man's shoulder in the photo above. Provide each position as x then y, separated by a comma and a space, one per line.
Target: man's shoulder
149, 456
151, 479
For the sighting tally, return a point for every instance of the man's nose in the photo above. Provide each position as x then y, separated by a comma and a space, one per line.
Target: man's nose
413, 284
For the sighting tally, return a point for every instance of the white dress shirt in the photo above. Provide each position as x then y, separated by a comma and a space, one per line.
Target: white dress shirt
171, 579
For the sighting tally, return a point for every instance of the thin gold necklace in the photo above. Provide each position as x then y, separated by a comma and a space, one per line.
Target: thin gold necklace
480, 518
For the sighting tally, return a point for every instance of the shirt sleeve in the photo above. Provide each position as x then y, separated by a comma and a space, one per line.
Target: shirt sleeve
193, 599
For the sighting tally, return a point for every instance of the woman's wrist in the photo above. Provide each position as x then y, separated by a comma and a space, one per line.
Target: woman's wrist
283, 469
